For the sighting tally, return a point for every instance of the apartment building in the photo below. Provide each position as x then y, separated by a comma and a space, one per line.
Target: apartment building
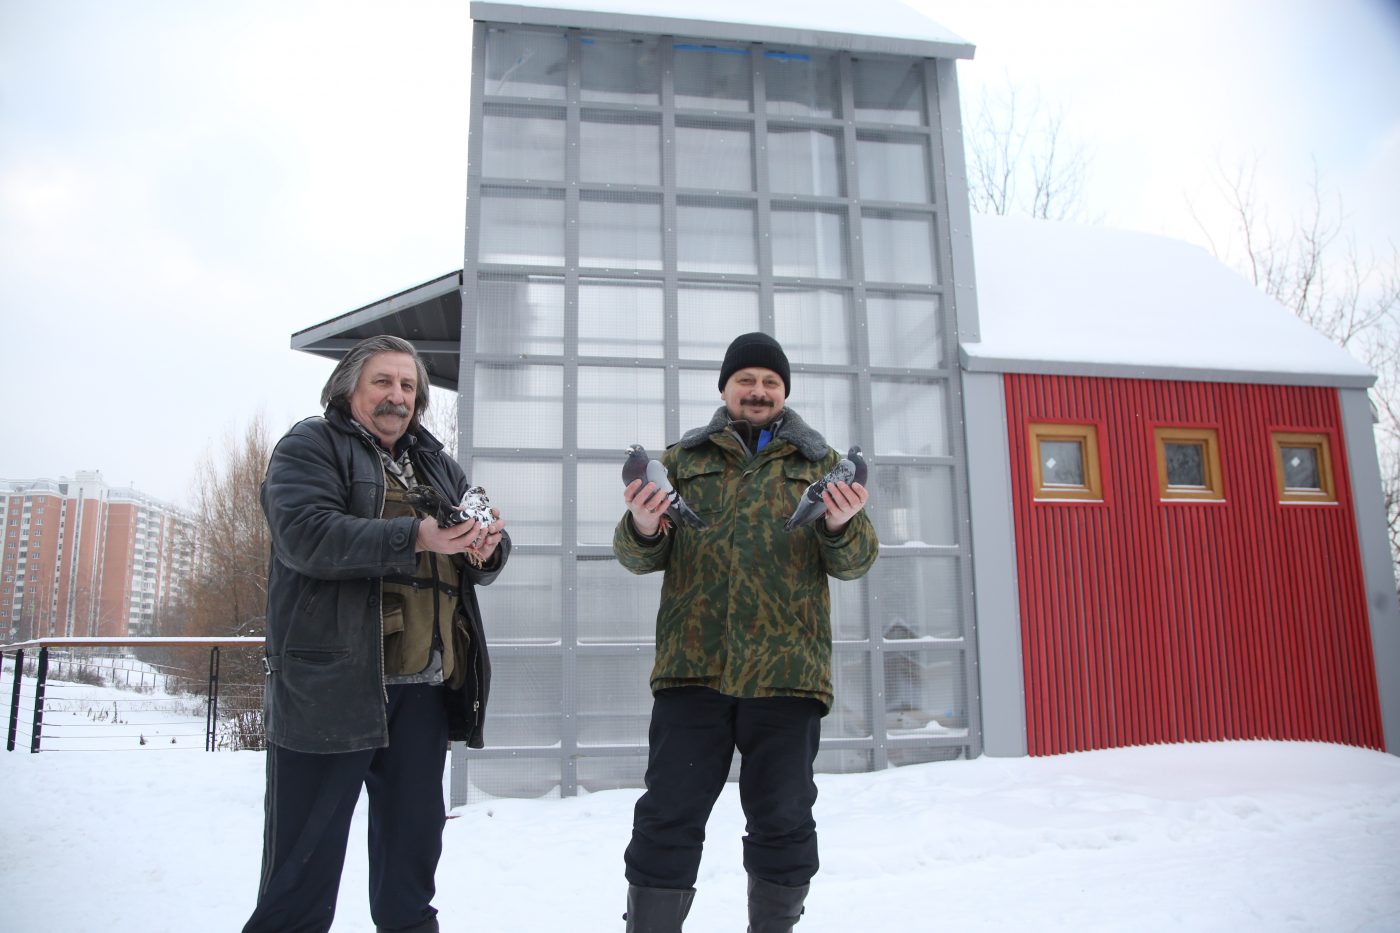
81, 558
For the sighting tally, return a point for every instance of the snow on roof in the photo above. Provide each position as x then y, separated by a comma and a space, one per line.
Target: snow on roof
871, 25
1069, 298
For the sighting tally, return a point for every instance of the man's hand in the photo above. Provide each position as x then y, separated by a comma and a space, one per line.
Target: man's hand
843, 501
647, 505
472, 537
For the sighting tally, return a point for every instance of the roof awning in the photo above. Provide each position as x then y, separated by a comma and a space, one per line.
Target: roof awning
429, 316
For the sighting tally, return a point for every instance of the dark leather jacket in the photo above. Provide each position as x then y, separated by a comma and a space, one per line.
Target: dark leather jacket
323, 497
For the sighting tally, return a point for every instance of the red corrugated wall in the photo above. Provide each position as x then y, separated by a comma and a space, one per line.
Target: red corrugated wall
1146, 621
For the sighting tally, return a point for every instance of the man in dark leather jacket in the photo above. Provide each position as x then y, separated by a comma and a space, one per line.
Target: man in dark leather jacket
375, 651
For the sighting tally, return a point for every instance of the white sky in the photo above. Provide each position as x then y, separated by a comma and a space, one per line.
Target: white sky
184, 184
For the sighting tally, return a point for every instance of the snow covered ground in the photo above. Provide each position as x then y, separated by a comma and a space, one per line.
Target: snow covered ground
1237, 836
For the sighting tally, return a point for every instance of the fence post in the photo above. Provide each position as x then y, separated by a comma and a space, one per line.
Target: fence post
42, 679
14, 701
211, 717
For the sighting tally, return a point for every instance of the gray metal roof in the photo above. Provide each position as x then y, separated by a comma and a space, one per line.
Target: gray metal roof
427, 315
879, 26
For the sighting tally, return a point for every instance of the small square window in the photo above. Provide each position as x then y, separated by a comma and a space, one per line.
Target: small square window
1065, 461
1303, 467
1188, 464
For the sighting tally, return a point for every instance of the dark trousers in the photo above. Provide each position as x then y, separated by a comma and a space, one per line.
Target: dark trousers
310, 800
694, 732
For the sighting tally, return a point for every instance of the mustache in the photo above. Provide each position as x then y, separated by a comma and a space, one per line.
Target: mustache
390, 408
761, 402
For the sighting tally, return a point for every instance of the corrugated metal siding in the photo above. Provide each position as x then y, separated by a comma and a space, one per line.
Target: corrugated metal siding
1146, 621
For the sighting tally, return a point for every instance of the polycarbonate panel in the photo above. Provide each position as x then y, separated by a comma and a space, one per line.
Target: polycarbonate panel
521, 606
619, 149
916, 597
620, 70
620, 318
712, 77
848, 621
611, 772
520, 63
616, 232
904, 330
802, 84
912, 752
699, 397
827, 404
805, 161
813, 324
614, 699
899, 247
850, 710
924, 694
809, 243
614, 604
620, 406
893, 168
600, 504
714, 155
519, 406
710, 316
488, 778
889, 90
522, 143
528, 494
843, 761
716, 236
911, 418
912, 504
526, 699
526, 226
520, 314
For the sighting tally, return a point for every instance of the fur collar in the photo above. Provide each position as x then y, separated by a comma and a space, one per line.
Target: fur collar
793, 430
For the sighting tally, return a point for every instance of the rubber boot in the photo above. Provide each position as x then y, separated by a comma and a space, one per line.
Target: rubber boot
774, 908
657, 910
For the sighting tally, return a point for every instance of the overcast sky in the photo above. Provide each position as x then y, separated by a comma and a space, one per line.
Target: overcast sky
184, 184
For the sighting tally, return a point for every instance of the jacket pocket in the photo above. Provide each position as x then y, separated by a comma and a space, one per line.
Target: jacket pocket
701, 485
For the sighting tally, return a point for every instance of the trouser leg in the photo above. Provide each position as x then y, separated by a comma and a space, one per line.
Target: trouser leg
310, 801
691, 746
778, 739
406, 812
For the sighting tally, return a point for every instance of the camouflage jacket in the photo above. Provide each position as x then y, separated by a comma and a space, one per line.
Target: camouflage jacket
745, 607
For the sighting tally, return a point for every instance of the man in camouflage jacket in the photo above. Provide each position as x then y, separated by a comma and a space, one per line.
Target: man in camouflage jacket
743, 642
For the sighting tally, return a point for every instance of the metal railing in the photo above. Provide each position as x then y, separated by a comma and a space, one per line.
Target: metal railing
55, 654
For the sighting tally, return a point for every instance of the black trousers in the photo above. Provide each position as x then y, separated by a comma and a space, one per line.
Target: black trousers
694, 732
310, 800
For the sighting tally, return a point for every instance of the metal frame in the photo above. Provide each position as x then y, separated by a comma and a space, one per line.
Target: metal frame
947, 211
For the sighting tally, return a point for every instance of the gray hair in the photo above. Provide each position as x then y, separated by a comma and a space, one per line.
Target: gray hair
346, 375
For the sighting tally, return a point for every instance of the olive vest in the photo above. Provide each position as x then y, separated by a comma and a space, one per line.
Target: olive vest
419, 611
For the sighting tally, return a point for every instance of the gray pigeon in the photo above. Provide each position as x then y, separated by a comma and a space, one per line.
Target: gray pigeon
851, 469
640, 465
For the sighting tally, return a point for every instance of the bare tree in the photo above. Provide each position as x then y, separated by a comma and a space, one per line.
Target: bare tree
228, 592
441, 418
1020, 159
1312, 267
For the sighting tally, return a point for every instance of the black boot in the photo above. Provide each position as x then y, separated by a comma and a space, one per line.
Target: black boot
774, 908
657, 910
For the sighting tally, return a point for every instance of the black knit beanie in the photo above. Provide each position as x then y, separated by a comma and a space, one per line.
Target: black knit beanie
756, 349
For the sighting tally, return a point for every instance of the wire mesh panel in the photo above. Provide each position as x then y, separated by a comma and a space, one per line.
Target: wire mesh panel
635, 203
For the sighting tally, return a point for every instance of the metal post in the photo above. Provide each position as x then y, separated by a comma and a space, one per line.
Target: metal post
14, 701
211, 717
43, 677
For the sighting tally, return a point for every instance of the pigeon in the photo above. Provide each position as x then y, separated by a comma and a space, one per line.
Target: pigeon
474, 505
640, 466
851, 469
